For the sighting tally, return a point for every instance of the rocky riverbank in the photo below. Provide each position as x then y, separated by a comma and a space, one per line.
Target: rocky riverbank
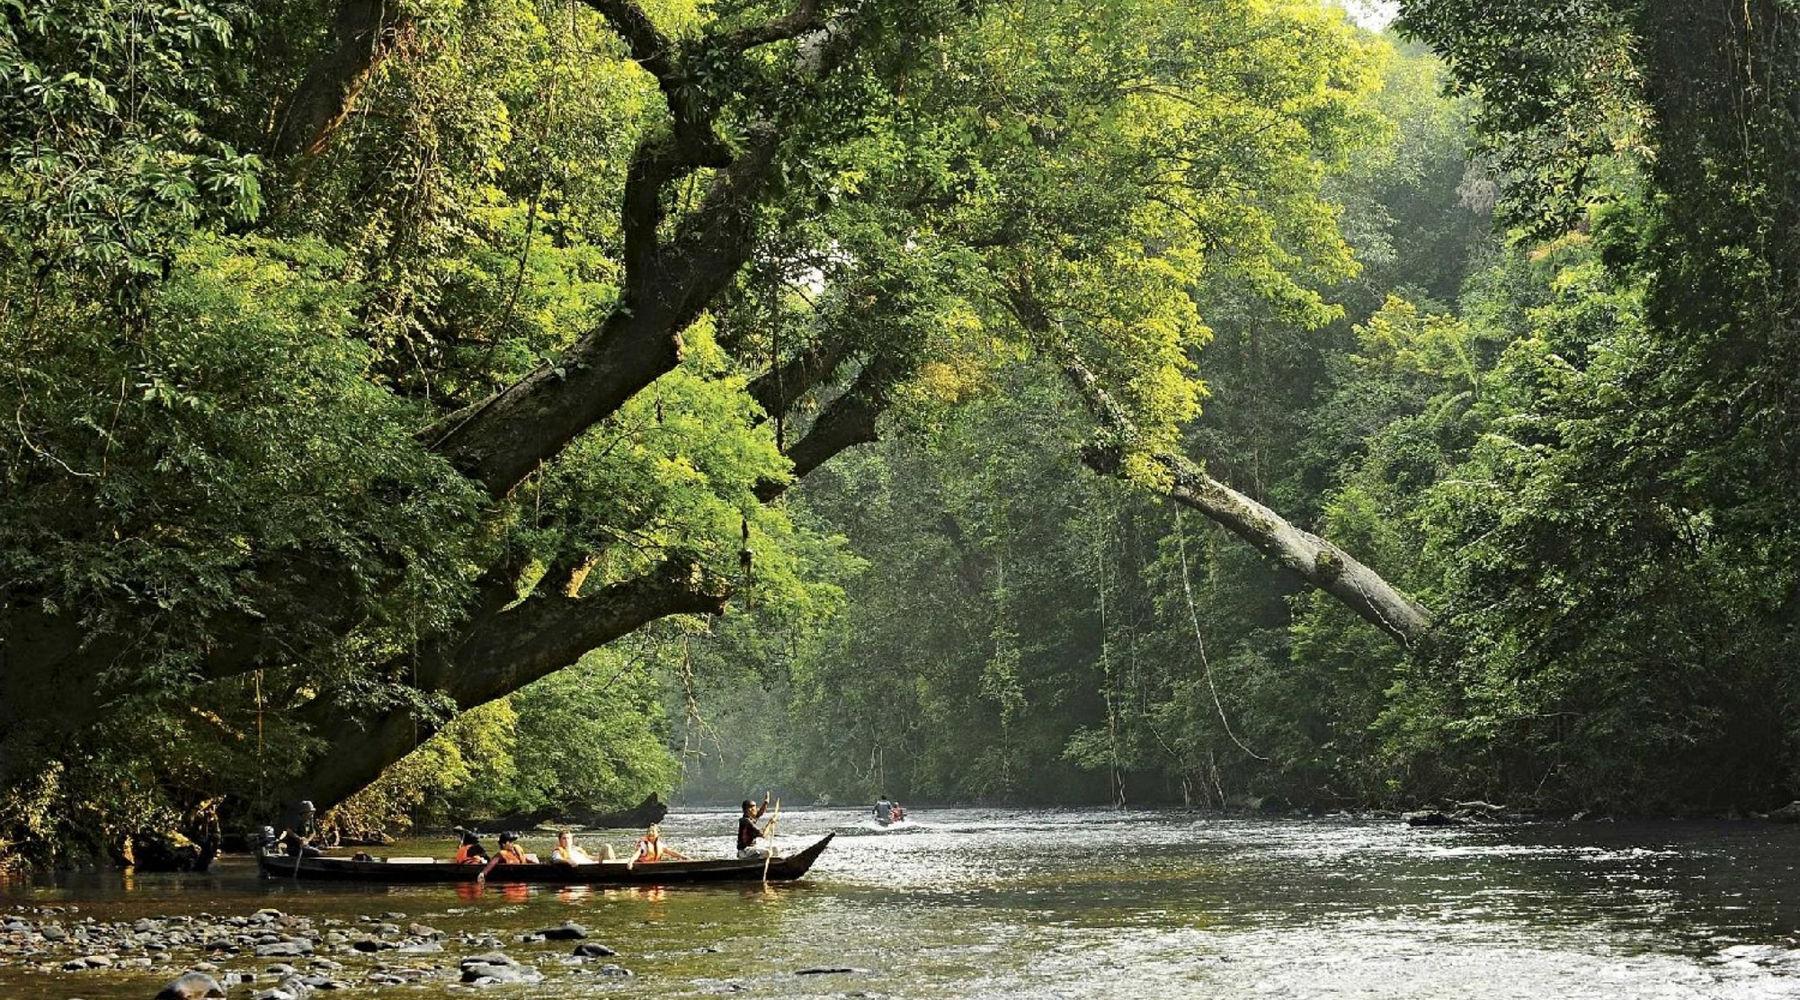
271, 955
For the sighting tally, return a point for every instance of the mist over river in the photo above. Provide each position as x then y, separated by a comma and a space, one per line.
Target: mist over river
1030, 904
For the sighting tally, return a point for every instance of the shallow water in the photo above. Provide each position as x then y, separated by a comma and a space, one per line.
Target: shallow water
982, 903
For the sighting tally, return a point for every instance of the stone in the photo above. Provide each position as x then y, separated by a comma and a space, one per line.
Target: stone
487, 975
1789, 813
593, 949
292, 948
191, 986
489, 958
368, 945
609, 969
825, 971
421, 930
53, 932
1429, 817
564, 932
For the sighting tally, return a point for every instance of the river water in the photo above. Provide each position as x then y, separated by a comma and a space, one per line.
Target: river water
1021, 904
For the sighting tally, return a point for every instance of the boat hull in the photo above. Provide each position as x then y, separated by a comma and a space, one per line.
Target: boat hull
600, 873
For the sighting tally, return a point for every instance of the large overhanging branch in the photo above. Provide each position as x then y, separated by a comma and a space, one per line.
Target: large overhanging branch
540, 636
1313, 559
500, 651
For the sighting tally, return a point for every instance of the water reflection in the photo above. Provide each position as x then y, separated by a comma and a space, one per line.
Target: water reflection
1062, 904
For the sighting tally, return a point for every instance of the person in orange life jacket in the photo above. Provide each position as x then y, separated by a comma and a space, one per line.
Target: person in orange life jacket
650, 848
511, 853
570, 853
470, 851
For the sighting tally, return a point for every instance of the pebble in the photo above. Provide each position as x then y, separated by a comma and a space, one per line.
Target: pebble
54, 941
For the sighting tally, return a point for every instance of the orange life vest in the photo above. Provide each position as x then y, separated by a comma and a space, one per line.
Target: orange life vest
463, 857
649, 850
511, 854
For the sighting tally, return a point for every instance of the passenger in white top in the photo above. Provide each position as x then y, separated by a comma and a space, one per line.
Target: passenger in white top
570, 853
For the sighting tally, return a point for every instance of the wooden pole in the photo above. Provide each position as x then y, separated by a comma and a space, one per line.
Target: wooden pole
769, 835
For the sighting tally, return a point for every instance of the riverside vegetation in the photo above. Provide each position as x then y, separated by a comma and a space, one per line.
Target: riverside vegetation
446, 408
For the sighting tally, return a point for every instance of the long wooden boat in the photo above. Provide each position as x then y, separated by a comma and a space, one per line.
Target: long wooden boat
416, 870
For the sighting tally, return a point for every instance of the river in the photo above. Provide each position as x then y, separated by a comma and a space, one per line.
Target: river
1043, 904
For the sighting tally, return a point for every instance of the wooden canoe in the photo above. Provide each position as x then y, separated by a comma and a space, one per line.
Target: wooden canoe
413, 871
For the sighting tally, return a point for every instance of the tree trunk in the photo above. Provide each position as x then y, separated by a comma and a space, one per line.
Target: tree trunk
1314, 559
363, 33
542, 635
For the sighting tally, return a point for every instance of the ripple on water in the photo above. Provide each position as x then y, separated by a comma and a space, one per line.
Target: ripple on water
1041, 904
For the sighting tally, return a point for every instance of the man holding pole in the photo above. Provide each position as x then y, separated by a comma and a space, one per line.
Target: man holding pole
749, 832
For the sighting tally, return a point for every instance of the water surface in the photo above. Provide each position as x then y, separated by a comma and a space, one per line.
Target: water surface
1015, 904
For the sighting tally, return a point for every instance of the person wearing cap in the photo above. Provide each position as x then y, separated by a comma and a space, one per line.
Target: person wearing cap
300, 829
511, 853
650, 848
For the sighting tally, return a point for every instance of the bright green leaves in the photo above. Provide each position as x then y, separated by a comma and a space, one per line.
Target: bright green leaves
1433, 344
111, 149
236, 430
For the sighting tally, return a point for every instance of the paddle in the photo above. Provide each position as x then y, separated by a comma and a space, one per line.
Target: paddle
769, 835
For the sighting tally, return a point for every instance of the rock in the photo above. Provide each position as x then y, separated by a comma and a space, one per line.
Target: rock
824, 971
53, 932
564, 932
191, 986
609, 969
1429, 817
490, 958
649, 811
1789, 813
593, 949
368, 945
421, 948
486, 975
277, 993
281, 969
421, 930
292, 948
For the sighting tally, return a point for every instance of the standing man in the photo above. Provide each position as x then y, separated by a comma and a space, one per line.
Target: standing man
749, 832
884, 810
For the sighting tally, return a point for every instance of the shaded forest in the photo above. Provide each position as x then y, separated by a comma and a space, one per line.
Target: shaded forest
454, 408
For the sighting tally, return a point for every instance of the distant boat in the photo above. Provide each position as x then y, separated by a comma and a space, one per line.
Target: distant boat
416, 870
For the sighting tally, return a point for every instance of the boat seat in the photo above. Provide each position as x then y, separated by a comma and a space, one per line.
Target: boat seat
410, 861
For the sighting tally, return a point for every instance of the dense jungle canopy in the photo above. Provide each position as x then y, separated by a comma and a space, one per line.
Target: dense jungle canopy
454, 408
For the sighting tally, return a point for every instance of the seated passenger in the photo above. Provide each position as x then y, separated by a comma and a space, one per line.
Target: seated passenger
570, 853
470, 851
511, 853
650, 848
